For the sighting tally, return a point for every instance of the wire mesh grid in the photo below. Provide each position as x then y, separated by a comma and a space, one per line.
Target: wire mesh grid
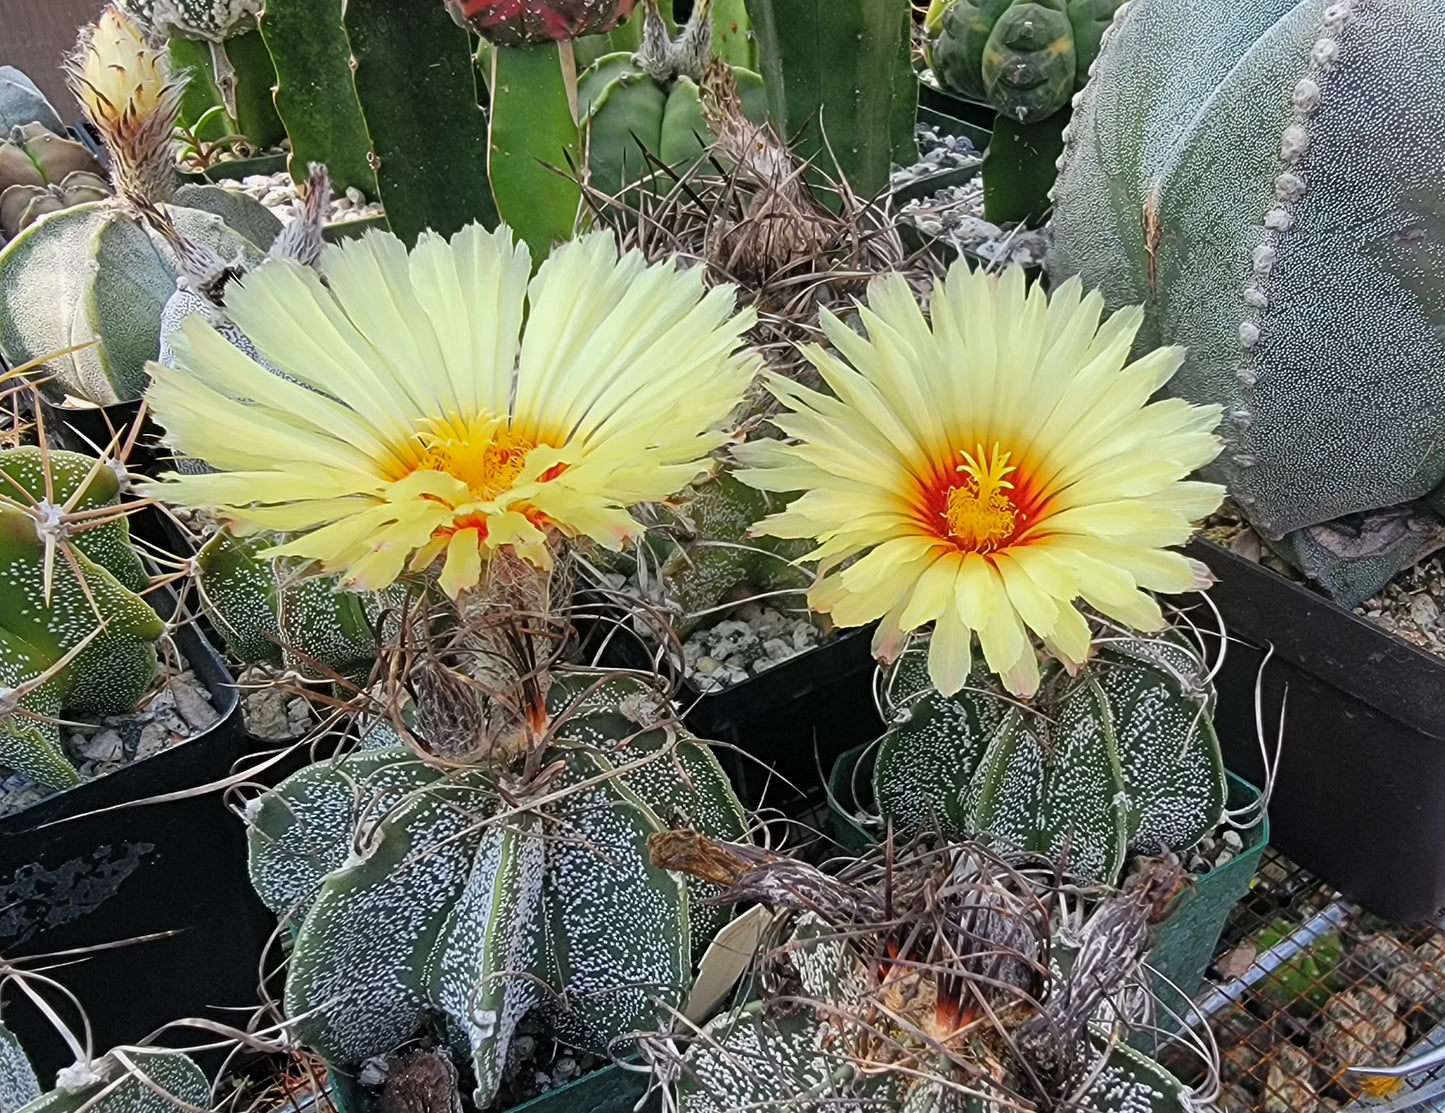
1305, 985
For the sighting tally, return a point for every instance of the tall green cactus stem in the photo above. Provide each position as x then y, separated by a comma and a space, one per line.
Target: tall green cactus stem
255, 74
90, 640
95, 272
534, 135
840, 81
270, 611
1262, 176
1121, 760
1019, 168
316, 92
210, 21
420, 891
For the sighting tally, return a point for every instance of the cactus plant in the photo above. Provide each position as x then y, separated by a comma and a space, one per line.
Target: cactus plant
483, 891
95, 271
508, 23
650, 101
22, 102
1118, 761
135, 1080
840, 83
921, 980
40, 173
1260, 176
1026, 58
211, 21
18, 1084
74, 635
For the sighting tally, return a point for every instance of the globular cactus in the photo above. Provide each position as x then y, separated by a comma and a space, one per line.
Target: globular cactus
277, 612
650, 102
22, 102
483, 891
840, 83
74, 635
95, 272
1121, 760
1023, 57
1260, 175
926, 981
40, 173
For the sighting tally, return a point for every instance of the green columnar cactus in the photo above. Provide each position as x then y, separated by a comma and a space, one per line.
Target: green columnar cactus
840, 83
1118, 761
1026, 58
86, 644
1261, 176
209, 21
271, 612
255, 75
385, 95
481, 893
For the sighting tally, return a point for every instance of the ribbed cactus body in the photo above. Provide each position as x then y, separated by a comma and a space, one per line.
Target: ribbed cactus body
171, 1083
22, 102
278, 612
18, 1084
117, 665
1120, 760
628, 113
1263, 176
423, 892
93, 272
524, 22
1024, 57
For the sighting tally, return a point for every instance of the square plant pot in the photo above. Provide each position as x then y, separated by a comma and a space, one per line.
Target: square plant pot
610, 1089
70, 878
1183, 945
1360, 794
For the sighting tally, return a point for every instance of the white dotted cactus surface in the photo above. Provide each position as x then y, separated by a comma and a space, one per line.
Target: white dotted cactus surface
1120, 760
1263, 176
212, 20
421, 891
18, 1084
142, 1081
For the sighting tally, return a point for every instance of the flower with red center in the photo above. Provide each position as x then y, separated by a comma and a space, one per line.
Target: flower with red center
438, 405
985, 469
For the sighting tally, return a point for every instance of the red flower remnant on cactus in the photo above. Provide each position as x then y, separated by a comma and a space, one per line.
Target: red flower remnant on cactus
519, 22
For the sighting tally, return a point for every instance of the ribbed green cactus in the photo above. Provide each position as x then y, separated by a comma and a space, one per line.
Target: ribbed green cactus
92, 610
209, 21
255, 74
277, 612
1262, 176
18, 1084
1118, 761
422, 888
840, 83
148, 1081
1024, 57
42, 173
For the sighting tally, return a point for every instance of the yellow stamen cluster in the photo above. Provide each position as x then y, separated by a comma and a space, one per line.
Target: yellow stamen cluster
980, 514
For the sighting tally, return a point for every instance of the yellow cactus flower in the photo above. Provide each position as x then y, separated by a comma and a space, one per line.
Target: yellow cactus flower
987, 470
416, 417
130, 94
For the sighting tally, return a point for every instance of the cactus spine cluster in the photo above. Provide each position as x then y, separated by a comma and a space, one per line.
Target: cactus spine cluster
74, 635
1118, 761
1259, 176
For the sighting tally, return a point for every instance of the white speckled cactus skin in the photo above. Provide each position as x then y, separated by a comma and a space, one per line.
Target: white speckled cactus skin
212, 20
1264, 176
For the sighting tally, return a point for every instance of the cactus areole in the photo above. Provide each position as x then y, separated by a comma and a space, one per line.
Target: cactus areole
1264, 177
521, 22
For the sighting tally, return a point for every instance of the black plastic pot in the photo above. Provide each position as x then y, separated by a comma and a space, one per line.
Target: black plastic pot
69, 879
1360, 795
611, 1089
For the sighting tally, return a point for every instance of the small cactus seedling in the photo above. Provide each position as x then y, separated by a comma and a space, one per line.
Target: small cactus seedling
482, 891
1117, 761
1262, 176
74, 635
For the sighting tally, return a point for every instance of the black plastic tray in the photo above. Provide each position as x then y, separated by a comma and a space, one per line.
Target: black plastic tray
69, 879
1360, 796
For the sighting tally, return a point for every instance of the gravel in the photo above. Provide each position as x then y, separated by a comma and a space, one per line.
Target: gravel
178, 708
752, 640
954, 213
278, 192
271, 709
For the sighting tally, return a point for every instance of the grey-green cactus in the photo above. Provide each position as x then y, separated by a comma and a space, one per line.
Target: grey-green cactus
479, 893
278, 612
1026, 58
40, 173
133, 1081
74, 635
18, 1084
22, 102
1262, 176
1119, 761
